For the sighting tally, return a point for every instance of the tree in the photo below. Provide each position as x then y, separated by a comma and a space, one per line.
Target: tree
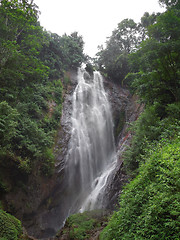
32, 63
170, 3
113, 59
52, 55
73, 50
20, 42
146, 20
8, 124
150, 203
156, 63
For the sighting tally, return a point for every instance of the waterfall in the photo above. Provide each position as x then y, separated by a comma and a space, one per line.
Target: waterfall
91, 156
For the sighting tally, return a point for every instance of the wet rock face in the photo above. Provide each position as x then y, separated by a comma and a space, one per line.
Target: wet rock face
47, 197
125, 110
119, 99
64, 133
52, 209
37, 206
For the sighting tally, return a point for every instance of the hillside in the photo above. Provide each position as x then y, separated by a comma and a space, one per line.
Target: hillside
38, 75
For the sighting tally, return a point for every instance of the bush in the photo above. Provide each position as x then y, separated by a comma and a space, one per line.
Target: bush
149, 129
145, 129
48, 162
83, 225
150, 204
174, 110
10, 227
8, 123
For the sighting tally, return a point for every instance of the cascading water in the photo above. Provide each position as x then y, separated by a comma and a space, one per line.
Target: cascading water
91, 156
87, 170
87, 173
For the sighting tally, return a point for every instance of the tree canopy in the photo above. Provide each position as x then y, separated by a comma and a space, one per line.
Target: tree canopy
32, 66
113, 59
149, 204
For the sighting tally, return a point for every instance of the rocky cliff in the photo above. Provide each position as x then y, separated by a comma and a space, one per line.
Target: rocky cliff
42, 207
125, 110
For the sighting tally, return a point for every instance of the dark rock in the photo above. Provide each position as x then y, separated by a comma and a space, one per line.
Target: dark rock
52, 209
42, 206
126, 105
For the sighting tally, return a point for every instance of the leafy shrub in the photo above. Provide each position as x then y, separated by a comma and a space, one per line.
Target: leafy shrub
150, 204
174, 110
82, 225
48, 162
145, 129
10, 227
8, 123
66, 80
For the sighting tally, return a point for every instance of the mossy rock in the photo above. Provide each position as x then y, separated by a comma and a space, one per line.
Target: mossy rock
10, 227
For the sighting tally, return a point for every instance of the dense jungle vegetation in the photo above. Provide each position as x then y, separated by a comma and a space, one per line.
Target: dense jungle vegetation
32, 66
146, 58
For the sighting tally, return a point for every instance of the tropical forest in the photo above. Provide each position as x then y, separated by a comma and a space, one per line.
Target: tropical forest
89, 147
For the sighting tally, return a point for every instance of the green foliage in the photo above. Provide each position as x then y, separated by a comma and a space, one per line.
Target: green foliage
20, 45
10, 227
83, 225
119, 124
155, 78
40, 114
170, 3
150, 203
173, 110
32, 64
147, 130
146, 20
113, 60
73, 50
157, 61
61, 53
48, 163
8, 124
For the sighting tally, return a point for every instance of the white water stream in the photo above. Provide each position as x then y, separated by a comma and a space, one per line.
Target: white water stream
91, 157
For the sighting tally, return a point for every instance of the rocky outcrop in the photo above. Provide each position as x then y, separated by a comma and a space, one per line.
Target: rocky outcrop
42, 206
53, 209
35, 202
125, 110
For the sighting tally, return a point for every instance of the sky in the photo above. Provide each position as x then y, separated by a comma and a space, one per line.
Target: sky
93, 19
